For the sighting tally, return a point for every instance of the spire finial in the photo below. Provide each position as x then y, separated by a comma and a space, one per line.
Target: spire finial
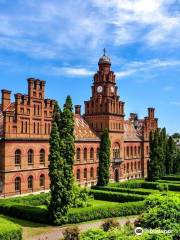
104, 50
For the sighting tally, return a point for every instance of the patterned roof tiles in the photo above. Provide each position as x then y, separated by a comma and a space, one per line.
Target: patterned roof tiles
82, 130
131, 133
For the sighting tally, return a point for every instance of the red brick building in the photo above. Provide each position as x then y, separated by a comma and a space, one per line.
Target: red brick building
25, 126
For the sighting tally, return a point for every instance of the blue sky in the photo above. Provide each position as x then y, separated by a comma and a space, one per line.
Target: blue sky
61, 41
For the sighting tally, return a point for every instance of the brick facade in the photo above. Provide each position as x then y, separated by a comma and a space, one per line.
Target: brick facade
25, 126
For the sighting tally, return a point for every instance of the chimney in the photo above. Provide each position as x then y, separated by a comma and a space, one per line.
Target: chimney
133, 116
6, 99
78, 109
151, 112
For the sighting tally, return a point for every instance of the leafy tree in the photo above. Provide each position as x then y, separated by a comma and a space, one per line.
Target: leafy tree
57, 207
104, 159
170, 156
176, 136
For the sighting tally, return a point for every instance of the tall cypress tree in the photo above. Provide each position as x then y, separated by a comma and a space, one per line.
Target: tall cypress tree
176, 166
171, 155
163, 149
155, 167
67, 150
104, 159
57, 207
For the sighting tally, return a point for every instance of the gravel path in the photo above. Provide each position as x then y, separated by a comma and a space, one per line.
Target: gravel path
56, 232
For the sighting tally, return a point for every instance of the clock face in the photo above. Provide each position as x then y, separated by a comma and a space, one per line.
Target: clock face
112, 89
99, 89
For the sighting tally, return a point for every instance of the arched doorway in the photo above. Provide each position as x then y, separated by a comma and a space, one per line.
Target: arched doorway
116, 175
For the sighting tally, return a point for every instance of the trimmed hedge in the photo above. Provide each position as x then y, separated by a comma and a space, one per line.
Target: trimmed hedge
9, 230
116, 196
94, 213
123, 190
35, 214
146, 185
172, 178
40, 214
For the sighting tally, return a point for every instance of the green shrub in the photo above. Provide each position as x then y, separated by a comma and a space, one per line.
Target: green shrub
128, 184
116, 196
126, 190
35, 214
80, 196
110, 223
94, 234
162, 211
94, 213
172, 178
9, 230
71, 233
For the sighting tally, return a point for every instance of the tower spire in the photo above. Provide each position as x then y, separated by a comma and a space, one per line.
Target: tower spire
104, 51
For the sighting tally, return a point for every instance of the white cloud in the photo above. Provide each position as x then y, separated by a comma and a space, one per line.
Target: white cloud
176, 103
72, 71
168, 89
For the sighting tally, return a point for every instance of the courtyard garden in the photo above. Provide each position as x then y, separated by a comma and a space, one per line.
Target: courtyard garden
114, 200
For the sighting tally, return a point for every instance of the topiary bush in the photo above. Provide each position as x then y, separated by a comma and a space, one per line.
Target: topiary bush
71, 233
9, 230
110, 223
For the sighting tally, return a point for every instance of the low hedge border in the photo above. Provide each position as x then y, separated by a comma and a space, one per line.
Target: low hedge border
145, 185
9, 230
172, 178
40, 215
123, 190
123, 209
116, 196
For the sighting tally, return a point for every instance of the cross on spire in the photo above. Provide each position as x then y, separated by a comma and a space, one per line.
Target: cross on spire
104, 50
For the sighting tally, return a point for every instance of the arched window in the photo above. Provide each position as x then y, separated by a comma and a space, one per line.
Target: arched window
30, 156
85, 173
139, 165
97, 154
135, 166
116, 151
139, 150
92, 172
30, 183
42, 181
78, 154
127, 151
92, 154
18, 184
18, 157
1, 185
131, 151
97, 172
147, 150
78, 174
85, 154
42, 156
135, 150
127, 167
131, 166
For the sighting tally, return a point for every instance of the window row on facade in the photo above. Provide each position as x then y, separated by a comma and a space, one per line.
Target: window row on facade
37, 127
30, 157
85, 154
30, 182
134, 151
133, 166
83, 174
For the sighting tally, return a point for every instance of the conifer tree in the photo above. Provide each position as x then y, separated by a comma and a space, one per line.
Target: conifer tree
155, 167
104, 159
57, 207
176, 167
163, 147
171, 155
67, 147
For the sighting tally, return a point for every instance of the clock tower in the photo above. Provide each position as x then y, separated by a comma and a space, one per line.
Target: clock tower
104, 109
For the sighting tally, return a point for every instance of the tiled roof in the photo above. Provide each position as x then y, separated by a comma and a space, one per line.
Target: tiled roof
131, 133
82, 130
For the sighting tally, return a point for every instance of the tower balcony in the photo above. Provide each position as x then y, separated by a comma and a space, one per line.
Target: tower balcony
117, 160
